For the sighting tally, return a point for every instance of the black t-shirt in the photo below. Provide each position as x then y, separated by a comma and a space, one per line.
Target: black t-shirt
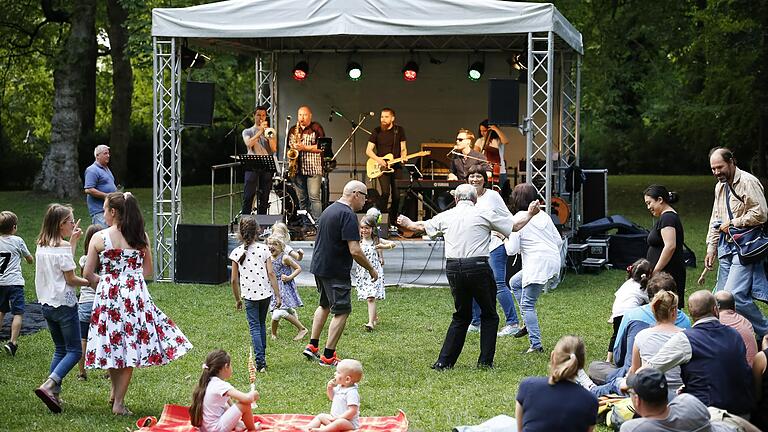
331, 257
676, 265
388, 141
563, 407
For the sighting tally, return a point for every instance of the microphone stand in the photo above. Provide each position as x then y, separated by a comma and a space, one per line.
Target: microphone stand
351, 137
282, 168
234, 127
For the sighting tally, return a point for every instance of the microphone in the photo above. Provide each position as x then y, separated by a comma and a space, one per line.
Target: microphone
370, 113
288, 118
330, 116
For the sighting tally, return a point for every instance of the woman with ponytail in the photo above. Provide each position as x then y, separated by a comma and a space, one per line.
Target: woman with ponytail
666, 239
557, 402
127, 330
212, 409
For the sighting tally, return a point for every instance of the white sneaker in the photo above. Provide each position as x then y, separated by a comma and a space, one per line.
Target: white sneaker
473, 329
508, 330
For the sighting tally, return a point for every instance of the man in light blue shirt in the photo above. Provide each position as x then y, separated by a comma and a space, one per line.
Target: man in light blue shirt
99, 181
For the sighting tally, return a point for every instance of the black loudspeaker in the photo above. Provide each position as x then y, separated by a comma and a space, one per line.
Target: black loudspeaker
198, 103
266, 221
503, 102
595, 195
201, 253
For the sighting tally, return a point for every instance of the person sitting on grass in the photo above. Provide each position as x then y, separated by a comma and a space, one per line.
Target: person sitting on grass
12, 250
631, 294
345, 406
212, 409
557, 403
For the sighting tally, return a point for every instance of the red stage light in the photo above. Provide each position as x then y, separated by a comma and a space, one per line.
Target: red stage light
410, 70
300, 71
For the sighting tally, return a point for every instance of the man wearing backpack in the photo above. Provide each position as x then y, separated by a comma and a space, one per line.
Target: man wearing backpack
739, 203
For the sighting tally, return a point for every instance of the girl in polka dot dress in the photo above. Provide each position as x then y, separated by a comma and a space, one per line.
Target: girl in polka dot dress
254, 283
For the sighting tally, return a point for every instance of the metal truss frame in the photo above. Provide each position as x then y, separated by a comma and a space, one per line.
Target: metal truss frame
545, 162
166, 144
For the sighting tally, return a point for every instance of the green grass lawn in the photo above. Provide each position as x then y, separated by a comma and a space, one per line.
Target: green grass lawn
396, 357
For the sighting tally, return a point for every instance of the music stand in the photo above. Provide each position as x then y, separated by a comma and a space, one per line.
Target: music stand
415, 174
253, 162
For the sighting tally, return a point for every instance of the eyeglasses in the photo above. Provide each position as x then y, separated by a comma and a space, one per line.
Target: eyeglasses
362, 193
461, 139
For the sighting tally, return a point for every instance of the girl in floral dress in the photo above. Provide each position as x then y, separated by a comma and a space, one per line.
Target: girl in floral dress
286, 270
372, 245
127, 330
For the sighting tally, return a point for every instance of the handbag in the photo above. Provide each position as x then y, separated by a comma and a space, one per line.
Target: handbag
751, 242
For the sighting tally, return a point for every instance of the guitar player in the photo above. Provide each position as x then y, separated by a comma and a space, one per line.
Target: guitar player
388, 138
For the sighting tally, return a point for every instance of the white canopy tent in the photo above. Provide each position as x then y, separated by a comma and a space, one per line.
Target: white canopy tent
269, 28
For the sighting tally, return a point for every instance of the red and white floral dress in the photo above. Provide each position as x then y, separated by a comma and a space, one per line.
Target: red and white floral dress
127, 329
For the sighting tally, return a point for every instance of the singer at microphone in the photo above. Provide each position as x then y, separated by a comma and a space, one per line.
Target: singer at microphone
388, 142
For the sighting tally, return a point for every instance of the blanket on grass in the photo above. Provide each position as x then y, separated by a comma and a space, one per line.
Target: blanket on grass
175, 418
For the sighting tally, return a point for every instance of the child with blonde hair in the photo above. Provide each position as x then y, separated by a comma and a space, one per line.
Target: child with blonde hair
280, 231
253, 281
212, 409
345, 406
372, 246
55, 280
85, 302
286, 270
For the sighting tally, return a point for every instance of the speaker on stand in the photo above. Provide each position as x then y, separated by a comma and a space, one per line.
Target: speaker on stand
201, 254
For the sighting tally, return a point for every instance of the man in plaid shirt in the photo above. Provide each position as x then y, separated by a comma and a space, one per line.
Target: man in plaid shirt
309, 178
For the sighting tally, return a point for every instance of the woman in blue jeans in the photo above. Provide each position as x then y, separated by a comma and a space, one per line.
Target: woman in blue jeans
490, 200
55, 280
540, 250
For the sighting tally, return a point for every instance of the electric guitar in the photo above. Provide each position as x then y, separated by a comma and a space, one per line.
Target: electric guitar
374, 170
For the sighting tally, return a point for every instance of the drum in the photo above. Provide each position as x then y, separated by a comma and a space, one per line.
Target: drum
280, 206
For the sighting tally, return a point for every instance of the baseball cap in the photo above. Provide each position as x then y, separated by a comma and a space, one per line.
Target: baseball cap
649, 384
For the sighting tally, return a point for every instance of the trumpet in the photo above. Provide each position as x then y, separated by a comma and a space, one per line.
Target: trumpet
270, 133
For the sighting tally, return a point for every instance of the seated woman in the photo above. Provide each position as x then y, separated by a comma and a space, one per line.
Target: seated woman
649, 341
557, 403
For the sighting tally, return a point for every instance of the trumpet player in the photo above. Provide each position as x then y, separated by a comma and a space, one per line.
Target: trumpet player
259, 140
309, 174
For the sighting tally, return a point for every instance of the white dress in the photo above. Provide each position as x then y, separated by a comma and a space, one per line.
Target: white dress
360, 277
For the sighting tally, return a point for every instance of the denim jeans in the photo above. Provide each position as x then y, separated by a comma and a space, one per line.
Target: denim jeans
470, 279
309, 193
64, 326
741, 280
527, 297
498, 263
256, 313
98, 219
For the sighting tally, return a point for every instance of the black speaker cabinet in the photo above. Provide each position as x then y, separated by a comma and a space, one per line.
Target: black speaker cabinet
198, 103
503, 102
266, 221
201, 253
595, 195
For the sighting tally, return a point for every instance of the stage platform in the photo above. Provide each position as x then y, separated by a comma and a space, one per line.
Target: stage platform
414, 262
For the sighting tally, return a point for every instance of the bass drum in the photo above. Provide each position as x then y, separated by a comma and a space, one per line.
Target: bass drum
287, 206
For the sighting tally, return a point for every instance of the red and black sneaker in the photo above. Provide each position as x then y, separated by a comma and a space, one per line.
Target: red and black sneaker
333, 361
311, 352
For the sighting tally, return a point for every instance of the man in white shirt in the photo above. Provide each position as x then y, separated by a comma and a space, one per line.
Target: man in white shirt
467, 233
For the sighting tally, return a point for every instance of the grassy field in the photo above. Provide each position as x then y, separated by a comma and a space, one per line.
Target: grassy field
396, 357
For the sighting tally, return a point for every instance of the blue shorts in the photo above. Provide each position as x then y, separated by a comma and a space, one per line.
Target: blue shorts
84, 316
12, 299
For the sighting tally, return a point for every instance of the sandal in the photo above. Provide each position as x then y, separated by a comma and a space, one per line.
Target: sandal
48, 399
82, 377
368, 327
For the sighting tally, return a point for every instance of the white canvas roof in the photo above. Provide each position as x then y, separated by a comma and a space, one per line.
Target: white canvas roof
270, 19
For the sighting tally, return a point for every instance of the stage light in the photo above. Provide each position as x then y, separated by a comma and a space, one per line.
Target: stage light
354, 71
301, 70
410, 70
476, 71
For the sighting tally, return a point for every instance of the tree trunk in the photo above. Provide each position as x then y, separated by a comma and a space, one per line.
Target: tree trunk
122, 83
88, 102
60, 173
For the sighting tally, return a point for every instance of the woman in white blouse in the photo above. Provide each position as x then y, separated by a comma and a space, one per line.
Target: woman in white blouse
540, 249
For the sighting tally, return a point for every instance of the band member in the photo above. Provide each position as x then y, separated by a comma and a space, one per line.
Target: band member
388, 138
464, 156
258, 184
309, 174
491, 143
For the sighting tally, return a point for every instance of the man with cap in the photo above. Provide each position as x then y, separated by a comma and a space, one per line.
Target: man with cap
648, 390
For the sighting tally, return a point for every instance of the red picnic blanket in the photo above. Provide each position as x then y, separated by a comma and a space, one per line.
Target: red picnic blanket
175, 418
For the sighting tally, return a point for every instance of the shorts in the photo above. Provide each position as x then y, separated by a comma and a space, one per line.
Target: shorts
84, 316
228, 421
335, 294
12, 299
